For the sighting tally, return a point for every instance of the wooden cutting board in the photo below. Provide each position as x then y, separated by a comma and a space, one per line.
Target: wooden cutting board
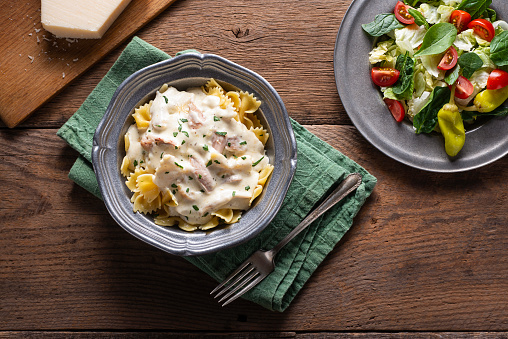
35, 66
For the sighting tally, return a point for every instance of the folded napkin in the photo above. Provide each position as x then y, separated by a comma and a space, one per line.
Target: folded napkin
319, 168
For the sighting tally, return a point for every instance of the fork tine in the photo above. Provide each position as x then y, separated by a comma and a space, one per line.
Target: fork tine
238, 279
231, 276
244, 290
240, 284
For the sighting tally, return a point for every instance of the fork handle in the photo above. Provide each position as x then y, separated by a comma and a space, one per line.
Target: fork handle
348, 185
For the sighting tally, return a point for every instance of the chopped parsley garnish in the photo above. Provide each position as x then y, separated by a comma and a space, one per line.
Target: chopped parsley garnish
175, 134
234, 193
243, 158
199, 176
176, 147
166, 172
243, 143
216, 118
209, 163
190, 178
229, 144
183, 142
185, 133
205, 148
257, 162
205, 214
184, 120
195, 208
178, 165
135, 162
165, 99
174, 185
202, 191
187, 190
221, 133
162, 154
216, 161
141, 162
149, 130
174, 192
247, 188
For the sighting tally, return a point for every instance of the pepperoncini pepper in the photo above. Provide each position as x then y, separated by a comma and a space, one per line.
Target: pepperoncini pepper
490, 99
451, 126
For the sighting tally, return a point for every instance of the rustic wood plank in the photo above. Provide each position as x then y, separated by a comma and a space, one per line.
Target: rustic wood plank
297, 59
419, 257
251, 335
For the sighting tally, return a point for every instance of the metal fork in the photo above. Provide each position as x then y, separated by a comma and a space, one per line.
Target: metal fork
260, 264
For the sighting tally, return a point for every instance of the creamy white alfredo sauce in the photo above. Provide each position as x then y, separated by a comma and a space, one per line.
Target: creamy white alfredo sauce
208, 160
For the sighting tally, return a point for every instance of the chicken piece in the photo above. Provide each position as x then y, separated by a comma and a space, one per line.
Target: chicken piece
196, 117
218, 142
234, 145
232, 178
149, 139
202, 175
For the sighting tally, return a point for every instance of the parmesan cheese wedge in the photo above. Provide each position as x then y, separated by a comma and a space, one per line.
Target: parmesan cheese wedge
83, 19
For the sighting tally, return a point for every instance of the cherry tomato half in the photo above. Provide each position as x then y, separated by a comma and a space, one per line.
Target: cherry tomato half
402, 14
449, 60
396, 109
460, 19
384, 77
464, 88
497, 79
483, 28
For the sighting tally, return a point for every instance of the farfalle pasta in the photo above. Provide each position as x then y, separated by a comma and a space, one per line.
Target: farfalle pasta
196, 158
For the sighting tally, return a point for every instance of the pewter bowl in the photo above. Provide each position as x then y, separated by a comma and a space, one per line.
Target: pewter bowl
182, 72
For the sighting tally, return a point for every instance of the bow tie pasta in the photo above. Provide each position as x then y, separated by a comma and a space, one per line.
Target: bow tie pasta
196, 158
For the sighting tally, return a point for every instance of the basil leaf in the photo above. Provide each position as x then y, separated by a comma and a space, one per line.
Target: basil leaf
382, 24
426, 120
453, 75
438, 39
470, 63
499, 49
475, 7
419, 18
501, 111
403, 88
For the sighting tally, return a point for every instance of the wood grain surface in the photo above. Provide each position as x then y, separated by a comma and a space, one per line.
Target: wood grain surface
35, 65
427, 255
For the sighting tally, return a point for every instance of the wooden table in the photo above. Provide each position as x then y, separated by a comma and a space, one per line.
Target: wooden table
426, 256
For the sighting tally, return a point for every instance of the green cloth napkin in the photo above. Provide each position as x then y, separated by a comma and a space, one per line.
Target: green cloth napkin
319, 168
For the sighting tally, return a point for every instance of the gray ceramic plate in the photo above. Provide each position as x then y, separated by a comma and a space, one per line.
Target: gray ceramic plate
363, 103
185, 71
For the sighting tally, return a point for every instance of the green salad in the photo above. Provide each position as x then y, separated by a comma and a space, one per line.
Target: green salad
441, 64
